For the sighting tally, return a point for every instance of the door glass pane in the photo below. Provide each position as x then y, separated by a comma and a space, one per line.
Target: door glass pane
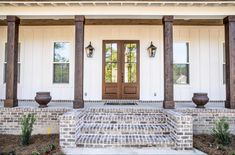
130, 63
130, 72
111, 72
130, 52
108, 52
114, 52
111, 52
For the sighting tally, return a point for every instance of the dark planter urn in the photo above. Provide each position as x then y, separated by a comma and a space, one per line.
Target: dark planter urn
200, 99
43, 98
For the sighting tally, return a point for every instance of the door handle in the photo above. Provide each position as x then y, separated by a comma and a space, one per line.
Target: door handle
122, 77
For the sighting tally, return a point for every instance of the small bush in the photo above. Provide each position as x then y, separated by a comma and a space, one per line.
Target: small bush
27, 128
52, 146
46, 150
35, 153
221, 132
231, 153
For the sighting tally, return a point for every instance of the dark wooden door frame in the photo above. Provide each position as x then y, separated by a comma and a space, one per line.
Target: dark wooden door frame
120, 60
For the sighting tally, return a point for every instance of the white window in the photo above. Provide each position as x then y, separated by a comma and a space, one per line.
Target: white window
5, 64
61, 62
181, 63
224, 65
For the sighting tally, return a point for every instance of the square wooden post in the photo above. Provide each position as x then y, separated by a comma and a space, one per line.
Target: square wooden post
12, 59
230, 61
168, 102
79, 54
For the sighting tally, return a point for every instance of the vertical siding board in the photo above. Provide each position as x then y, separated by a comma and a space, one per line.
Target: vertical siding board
214, 63
194, 60
204, 61
37, 59
3, 39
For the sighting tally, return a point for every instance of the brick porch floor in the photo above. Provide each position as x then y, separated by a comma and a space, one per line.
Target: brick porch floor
157, 104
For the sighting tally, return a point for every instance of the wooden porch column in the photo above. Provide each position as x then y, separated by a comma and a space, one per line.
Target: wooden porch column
12, 58
79, 54
168, 102
230, 61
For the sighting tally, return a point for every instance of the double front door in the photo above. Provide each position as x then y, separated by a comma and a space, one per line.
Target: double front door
120, 69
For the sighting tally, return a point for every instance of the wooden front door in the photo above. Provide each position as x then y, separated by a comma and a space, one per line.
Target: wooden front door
120, 69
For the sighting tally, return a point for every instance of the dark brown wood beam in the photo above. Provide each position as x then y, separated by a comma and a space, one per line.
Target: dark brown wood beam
199, 22
168, 102
79, 54
230, 61
12, 58
52, 22
123, 22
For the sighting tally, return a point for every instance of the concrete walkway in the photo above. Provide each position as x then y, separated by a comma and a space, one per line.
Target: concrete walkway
130, 151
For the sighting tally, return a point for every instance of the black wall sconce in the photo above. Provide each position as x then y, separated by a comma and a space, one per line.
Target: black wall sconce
152, 50
90, 50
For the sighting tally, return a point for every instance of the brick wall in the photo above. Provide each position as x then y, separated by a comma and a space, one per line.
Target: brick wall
181, 129
203, 119
69, 123
47, 119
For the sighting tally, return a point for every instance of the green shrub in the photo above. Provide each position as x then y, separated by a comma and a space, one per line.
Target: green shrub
52, 146
221, 132
26, 128
231, 153
46, 149
35, 153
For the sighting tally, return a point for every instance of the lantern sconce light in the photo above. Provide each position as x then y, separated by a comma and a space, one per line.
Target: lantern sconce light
90, 50
152, 50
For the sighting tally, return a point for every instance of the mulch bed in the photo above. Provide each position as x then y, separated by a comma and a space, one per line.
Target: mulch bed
10, 143
207, 144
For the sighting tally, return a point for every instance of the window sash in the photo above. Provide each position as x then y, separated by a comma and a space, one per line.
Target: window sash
63, 64
186, 56
178, 75
63, 76
178, 63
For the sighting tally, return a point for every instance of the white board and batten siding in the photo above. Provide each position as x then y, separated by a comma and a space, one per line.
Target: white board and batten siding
205, 60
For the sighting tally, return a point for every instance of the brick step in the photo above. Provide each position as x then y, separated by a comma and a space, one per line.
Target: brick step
158, 141
92, 128
121, 119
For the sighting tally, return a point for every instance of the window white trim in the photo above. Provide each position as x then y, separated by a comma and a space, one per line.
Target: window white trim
53, 63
